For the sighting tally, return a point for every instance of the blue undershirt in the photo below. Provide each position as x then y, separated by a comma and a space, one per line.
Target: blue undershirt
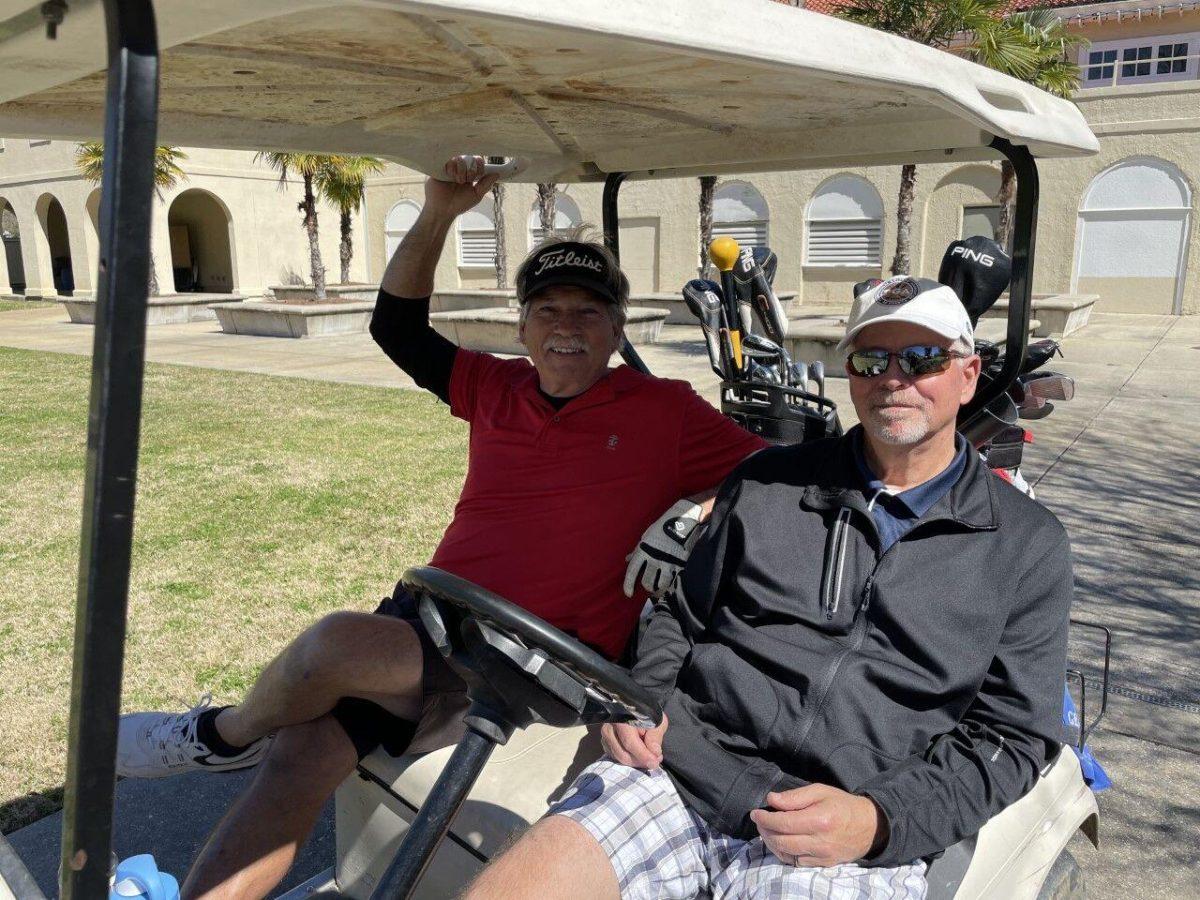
896, 514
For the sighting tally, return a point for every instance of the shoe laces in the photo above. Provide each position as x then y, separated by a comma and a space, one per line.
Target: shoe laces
181, 728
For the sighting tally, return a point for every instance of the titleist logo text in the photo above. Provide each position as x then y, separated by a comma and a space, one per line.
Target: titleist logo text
560, 258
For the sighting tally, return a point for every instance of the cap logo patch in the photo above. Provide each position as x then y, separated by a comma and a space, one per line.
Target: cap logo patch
556, 259
896, 292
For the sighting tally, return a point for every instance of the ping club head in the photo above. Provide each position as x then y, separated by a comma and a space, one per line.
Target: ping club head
1050, 386
754, 289
1039, 412
978, 270
758, 347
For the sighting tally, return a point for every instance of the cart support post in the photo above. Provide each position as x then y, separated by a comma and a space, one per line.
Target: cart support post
1020, 288
610, 222
118, 355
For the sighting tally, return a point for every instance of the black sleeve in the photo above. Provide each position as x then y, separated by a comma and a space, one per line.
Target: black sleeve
401, 327
1008, 735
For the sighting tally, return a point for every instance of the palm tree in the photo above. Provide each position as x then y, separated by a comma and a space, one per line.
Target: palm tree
89, 159
501, 258
546, 196
936, 23
1034, 47
309, 166
708, 186
342, 182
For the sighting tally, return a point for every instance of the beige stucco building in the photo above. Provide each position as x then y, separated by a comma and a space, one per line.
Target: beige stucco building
1118, 225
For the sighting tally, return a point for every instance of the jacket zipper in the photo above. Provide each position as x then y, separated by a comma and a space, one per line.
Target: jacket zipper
836, 565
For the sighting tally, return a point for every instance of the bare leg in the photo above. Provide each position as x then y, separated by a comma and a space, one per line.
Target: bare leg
556, 858
253, 847
346, 654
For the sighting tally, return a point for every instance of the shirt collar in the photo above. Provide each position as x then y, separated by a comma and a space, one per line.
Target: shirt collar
920, 499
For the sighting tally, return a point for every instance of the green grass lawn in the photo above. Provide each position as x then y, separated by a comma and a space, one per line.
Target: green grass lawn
8, 305
262, 504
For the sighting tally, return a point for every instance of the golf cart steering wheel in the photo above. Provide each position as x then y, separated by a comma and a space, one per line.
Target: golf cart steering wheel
511, 658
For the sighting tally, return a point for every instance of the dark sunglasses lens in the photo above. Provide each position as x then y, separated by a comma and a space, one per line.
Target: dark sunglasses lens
868, 363
923, 360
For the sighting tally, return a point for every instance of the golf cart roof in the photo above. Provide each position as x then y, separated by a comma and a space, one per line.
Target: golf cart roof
581, 89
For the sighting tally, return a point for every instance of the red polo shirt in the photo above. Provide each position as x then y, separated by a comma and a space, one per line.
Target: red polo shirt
555, 500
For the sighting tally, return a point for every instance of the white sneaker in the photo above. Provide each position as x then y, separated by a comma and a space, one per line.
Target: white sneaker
155, 745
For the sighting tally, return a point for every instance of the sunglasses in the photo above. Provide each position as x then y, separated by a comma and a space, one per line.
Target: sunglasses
913, 361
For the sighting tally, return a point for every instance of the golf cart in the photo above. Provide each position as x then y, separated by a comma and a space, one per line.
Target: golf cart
584, 91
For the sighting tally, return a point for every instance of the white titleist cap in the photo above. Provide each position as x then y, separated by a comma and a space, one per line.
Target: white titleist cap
921, 301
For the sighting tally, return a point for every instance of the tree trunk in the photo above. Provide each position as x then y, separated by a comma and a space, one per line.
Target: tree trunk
901, 262
346, 248
1005, 197
309, 208
153, 277
501, 252
708, 184
546, 195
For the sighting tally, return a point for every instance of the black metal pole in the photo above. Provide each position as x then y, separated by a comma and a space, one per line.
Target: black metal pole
118, 355
610, 222
1020, 288
434, 818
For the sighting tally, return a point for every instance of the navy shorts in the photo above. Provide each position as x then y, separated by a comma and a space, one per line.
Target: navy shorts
368, 724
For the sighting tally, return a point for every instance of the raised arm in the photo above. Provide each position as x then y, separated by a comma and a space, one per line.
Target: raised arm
400, 323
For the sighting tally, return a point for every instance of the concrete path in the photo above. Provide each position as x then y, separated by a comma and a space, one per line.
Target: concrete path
1118, 464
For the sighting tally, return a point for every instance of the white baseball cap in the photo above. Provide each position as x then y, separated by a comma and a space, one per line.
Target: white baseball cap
920, 301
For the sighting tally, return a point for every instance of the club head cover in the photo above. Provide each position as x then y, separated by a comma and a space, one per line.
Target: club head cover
767, 261
978, 270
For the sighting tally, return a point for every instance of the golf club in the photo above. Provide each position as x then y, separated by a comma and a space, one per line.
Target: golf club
798, 375
703, 298
755, 288
1050, 386
724, 253
767, 261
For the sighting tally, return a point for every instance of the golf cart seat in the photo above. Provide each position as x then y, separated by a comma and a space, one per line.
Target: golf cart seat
1009, 858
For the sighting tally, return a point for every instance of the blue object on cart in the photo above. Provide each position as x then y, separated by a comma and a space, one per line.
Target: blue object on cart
1093, 773
138, 878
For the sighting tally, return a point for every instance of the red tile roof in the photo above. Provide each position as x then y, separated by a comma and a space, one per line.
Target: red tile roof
829, 6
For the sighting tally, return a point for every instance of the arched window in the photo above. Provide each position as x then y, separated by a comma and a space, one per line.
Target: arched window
845, 223
566, 217
740, 212
399, 219
477, 236
1132, 236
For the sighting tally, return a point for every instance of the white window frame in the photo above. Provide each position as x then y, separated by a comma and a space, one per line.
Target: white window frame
1152, 43
867, 230
477, 237
747, 232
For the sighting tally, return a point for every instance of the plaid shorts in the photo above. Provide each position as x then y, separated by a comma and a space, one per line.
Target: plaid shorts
660, 849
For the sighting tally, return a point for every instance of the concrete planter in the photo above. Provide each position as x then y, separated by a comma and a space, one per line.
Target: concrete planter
459, 300
294, 320
679, 314
1059, 314
168, 309
303, 293
815, 337
495, 330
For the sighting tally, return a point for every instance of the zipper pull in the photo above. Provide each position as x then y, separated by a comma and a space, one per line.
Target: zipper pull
866, 595
841, 527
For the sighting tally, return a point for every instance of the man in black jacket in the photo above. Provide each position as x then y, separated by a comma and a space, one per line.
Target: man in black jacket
862, 663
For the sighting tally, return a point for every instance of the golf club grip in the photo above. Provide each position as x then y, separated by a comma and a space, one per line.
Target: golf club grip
732, 317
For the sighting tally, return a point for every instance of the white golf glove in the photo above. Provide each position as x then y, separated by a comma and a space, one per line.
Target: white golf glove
664, 549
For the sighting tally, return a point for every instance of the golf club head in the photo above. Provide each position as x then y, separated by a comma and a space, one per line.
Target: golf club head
759, 347
817, 371
756, 371
1038, 354
798, 375
978, 270
703, 299
1030, 401
1050, 386
754, 288
1039, 412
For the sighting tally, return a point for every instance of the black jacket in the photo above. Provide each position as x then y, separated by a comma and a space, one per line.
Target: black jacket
929, 678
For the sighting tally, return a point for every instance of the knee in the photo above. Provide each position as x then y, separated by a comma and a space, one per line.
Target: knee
311, 757
325, 647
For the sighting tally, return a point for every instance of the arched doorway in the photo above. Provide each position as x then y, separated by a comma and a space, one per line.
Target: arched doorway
201, 257
10, 230
1132, 236
54, 228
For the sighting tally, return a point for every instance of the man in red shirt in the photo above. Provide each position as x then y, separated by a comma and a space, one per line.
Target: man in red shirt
570, 466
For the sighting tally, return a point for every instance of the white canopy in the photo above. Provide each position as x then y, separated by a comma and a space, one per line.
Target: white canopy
580, 87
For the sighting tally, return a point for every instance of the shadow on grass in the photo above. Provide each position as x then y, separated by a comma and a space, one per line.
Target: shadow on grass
15, 814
